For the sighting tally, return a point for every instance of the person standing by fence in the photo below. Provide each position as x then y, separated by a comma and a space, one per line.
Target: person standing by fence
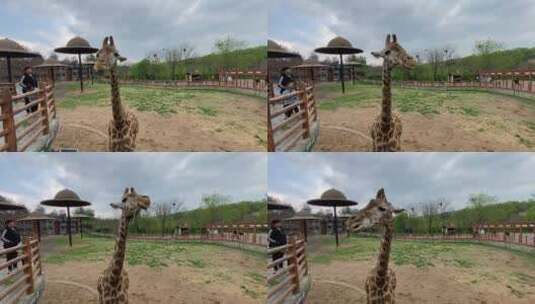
11, 238
277, 238
28, 84
286, 86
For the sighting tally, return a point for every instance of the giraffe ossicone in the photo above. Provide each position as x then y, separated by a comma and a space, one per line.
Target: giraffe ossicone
381, 282
113, 282
387, 128
124, 126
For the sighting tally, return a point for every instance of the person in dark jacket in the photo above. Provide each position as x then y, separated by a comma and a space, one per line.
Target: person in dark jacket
286, 86
277, 238
28, 84
11, 238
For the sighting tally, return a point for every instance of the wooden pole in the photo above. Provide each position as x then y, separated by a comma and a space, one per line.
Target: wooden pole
8, 122
29, 265
304, 107
44, 107
80, 72
69, 225
342, 73
9, 74
293, 265
336, 226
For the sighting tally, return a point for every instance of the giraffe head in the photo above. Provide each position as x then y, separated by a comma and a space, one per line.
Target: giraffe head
378, 211
395, 54
132, 203
107, 56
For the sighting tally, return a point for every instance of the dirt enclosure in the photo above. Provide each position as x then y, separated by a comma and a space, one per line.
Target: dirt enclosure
434, 273
158, 272
169, 119
433, 120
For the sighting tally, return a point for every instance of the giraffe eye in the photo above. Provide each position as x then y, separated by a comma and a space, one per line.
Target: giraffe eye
387, 52
124, 200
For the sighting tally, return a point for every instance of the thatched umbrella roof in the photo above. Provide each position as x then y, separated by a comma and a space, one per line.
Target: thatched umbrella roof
339, 46
66, 198
7, 204
275, 50
75, 46
333, 198
12, 49
78, 46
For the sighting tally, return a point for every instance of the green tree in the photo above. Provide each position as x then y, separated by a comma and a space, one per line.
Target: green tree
478, 203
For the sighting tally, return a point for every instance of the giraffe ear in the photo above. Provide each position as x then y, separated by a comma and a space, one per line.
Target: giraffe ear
381, 194
105, 41
125, 191
116, 206
111, 41
387, 42
398, 211
395, 38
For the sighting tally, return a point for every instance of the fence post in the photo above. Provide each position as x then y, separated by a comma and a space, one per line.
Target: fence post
8, 121
271, 140
29, 269
304, 107
44, 107
292, 261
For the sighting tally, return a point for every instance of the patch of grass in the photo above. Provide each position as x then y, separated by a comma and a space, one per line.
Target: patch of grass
160, 100
255, 276
523, 278
197, 263
204, 110
251, 293
470, 111
530, 124
526, 142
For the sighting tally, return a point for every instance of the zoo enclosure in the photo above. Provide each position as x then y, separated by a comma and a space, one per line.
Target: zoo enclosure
236, 79
20, 126
522, 234
290, 283
23, 280
286, 129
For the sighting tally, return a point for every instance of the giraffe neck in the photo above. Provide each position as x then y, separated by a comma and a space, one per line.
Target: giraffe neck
386, 107
384, 254
117, 261
116, 105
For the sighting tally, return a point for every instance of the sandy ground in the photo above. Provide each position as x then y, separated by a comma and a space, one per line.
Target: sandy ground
343, 282
500, 129
225, 279
76, 283
239, 126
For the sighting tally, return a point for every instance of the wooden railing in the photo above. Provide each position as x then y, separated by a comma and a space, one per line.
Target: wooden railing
256, 85
20, 126
526, 239
285, 130
254, 239
290, 273
504, 85
22, 280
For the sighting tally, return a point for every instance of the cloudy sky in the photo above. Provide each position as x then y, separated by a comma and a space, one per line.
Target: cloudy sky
138, 26
420, 24
101, 177
408, 178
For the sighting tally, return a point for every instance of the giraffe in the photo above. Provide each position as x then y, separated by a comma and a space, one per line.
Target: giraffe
386, 130
124, 126
381, 281
113, 282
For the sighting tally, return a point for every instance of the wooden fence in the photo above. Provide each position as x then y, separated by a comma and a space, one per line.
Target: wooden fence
286, 128
288, 283
526, 239
502, 85
21, 127
256, 85
23, 280
254, 239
